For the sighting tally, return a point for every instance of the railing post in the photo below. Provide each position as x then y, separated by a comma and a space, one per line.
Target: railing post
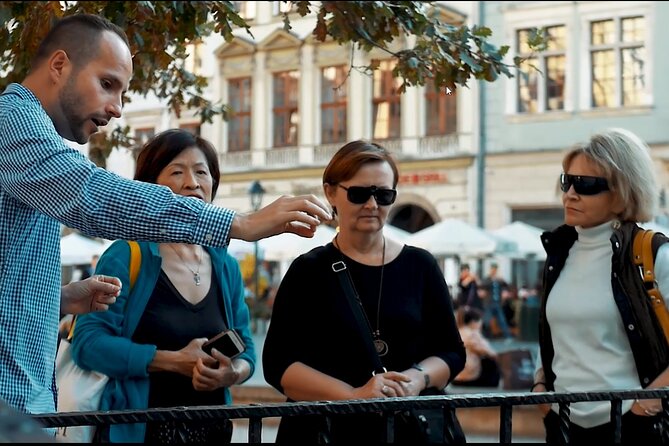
255, 430
390, 426
617, 419
564, 422
325, 436
505, 423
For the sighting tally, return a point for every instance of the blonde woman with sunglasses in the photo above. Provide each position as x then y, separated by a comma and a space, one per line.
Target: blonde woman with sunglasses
596, 331
405, 303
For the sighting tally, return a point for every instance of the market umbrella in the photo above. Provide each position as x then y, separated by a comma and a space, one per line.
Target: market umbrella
526, 237
452, 237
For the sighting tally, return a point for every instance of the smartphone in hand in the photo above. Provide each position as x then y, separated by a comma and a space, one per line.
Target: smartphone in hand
227, 342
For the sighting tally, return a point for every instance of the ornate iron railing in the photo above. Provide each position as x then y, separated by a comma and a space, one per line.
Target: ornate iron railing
256, 413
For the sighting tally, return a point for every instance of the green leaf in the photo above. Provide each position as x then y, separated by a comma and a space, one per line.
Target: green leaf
466, 58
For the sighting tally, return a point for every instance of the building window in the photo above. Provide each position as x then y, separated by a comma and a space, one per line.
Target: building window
618, 61
536, 92
142, 135
239, 125
246, 10
192, 127
194, 59
285, 100
282, 7
440, 111
333, 104
386, 104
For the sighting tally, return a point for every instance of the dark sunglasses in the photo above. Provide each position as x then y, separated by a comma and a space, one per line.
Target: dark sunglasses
361, 194
583, 185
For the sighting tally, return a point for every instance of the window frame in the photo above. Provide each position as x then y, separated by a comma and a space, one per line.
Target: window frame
603, 11
541, 58
394, 125
447, 123
336, 105
240, 114
286, 110
616, 47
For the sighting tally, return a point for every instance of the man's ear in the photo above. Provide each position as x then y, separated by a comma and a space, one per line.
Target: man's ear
59, 66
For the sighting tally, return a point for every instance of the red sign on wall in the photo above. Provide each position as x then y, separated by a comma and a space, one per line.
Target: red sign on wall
423, 178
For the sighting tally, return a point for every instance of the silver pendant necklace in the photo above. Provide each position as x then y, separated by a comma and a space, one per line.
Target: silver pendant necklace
379, 344
196, 274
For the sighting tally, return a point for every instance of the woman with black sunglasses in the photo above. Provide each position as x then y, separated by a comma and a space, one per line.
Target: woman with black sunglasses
596, 334
407, 316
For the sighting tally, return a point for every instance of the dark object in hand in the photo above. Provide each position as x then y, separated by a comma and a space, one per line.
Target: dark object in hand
227, 342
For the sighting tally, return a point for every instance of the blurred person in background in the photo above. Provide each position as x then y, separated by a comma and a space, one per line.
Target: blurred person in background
481, 368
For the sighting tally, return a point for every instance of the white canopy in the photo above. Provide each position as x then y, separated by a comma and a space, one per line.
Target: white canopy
282, 247
455, 237
288, 246
395, 233
527, 238
75, 249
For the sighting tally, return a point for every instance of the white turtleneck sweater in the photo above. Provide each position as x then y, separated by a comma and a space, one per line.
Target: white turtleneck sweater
592, 351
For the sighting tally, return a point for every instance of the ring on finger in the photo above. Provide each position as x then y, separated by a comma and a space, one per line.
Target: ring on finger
385, 390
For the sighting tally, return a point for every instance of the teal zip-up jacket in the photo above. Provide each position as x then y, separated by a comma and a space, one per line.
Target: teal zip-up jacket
102, 341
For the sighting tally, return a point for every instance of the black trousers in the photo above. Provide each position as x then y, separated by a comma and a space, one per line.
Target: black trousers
635, 430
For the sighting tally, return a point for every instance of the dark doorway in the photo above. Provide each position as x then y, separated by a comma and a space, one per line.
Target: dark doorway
411, 218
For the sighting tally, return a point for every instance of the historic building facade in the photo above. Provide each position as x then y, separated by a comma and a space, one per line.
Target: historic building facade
297, 100
489, 153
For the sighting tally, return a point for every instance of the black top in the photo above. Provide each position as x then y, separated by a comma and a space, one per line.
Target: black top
170, 322
416, 320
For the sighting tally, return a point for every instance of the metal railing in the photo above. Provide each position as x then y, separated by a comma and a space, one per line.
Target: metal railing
388, 406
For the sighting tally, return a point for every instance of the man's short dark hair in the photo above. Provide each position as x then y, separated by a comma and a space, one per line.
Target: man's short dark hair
79, 36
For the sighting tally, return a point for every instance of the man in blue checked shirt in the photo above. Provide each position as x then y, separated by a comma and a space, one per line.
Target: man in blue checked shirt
76, 84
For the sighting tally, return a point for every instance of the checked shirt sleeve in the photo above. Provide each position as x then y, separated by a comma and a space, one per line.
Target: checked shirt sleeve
40, 171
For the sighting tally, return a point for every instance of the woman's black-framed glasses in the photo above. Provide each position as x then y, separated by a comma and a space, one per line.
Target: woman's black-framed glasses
361, 194
583, 184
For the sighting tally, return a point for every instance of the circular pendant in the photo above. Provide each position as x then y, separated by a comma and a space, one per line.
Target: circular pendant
381, 347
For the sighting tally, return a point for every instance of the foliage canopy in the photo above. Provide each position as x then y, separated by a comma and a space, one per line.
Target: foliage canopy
160, 33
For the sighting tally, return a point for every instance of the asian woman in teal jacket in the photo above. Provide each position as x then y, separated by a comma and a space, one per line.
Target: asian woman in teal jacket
149, 342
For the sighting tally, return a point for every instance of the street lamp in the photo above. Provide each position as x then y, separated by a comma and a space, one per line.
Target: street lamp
256, 193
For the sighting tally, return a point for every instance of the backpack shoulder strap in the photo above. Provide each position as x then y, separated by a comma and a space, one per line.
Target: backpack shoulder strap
642, 251
647, 257
644, 256
135, 261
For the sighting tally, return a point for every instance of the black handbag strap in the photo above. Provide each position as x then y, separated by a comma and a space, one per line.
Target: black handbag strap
355, 304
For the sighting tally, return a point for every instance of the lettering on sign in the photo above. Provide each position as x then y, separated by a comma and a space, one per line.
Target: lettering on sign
423, 178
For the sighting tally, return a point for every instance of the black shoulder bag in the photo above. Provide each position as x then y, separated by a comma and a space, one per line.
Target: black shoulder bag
412, 426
